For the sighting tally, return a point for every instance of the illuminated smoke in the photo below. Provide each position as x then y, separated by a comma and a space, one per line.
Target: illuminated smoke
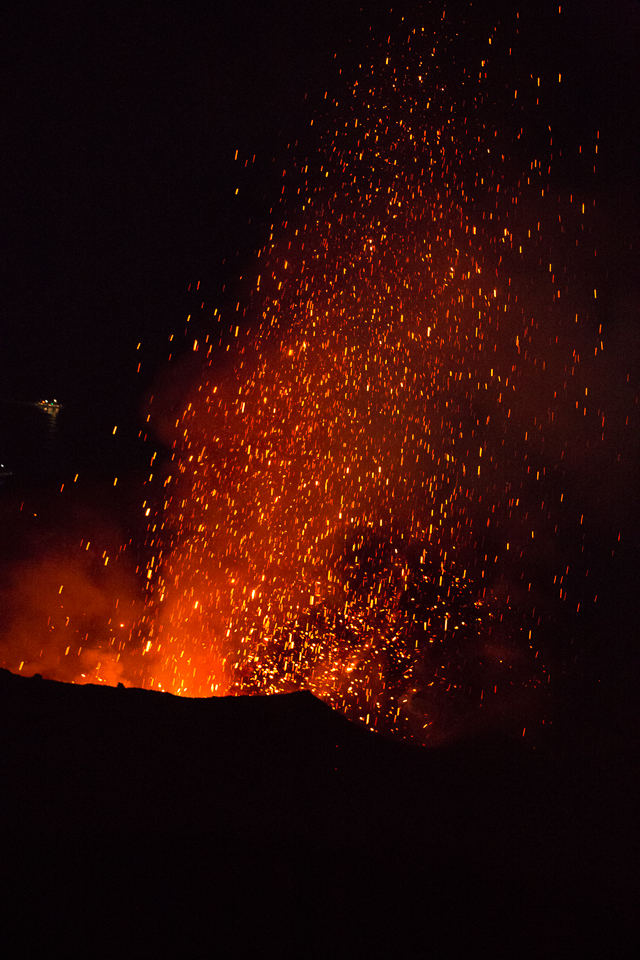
69, 601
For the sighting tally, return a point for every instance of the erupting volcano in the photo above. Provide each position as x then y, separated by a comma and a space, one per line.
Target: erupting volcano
357, 561
365, 494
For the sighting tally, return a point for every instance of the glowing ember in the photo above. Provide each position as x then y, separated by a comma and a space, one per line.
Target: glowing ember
346, 495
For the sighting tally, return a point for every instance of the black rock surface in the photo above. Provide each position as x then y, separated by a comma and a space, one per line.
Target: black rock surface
138, 824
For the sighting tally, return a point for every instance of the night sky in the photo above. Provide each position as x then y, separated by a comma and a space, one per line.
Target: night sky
120, 127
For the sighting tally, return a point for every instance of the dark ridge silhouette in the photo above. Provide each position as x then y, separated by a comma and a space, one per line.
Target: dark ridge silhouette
139, 824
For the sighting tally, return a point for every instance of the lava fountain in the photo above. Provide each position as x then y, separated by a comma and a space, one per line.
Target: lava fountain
363, 480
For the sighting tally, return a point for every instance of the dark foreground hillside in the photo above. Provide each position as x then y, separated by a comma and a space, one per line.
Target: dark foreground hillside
137, 824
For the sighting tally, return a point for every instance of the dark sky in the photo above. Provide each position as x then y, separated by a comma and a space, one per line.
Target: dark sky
120, 123
120, 126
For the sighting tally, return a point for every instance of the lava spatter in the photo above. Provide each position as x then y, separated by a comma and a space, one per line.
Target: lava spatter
349, 507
